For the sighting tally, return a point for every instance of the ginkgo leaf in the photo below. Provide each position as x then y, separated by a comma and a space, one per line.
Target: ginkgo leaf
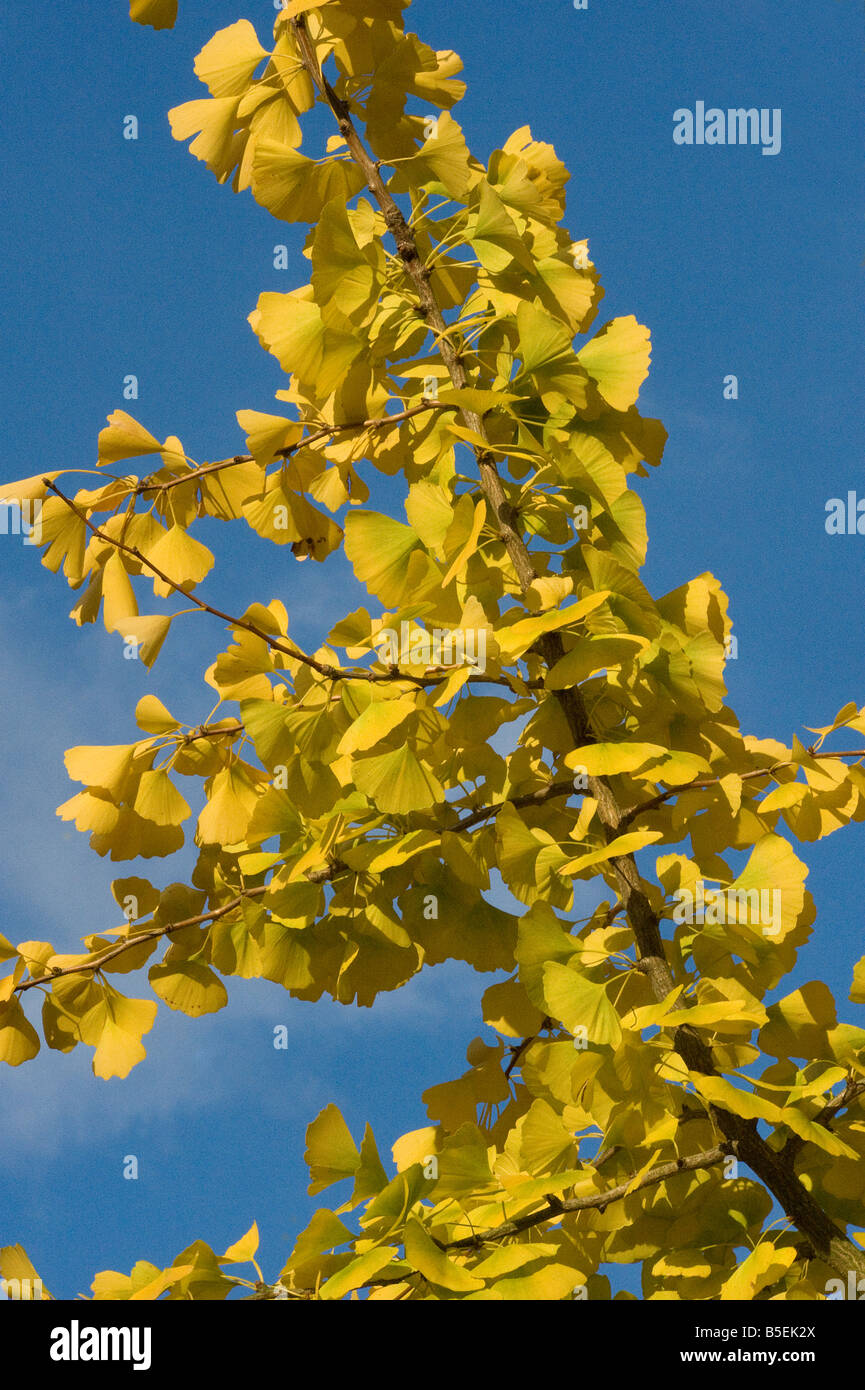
617, 848
158, 799
356, 1273
226, 63
798, 1025
117, 593
125, 439
617, 359
19, 1040
816, 1134
494, 235
548, 357
581, 1003
745, 1103
182, 558
607, 759
152, 716
774, 871
291, 327
159, 14
324, 1232
397, 783
144, 634
157, 1285
331, 1153
432, 1262
516, 639
378, 550
27, 489
97, 766
375, 723
243, 1250
296, 189
443, 158
231, 801
189, 987
213, 122
15, 1263
266, 435
592, 654
116, 1027
341, 271
764, 1266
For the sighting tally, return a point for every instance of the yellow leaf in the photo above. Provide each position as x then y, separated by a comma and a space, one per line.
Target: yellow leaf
416, 1147
765, 1265
158, 799
125, 439
331, 1153
146, 633
296, 189
378, 550
243, 1251
117, 593
341, 271
182, 558
291, 327
513, 641
397, 783
623, 844
189, 987
593, 654
581, 1003
720, 1092
157, 1286
231, 801
19, 1040
617, 359
159, 14
362, 1269
27, 489
817, 1134
608, 759
213, 122
425, 1256
15, 1263
545, 347
152, 716
266, 435
375, 723
226, 63
120, 1024
105, 767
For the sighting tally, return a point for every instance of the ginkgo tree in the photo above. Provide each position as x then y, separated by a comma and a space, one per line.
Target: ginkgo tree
512, 706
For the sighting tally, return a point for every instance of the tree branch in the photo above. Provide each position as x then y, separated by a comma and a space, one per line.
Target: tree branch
333, 673
700, 783
130, 943
852, 1091
554, 1210
799, 1205
326, 432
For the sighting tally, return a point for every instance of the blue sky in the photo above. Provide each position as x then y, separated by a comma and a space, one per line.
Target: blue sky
127, 257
